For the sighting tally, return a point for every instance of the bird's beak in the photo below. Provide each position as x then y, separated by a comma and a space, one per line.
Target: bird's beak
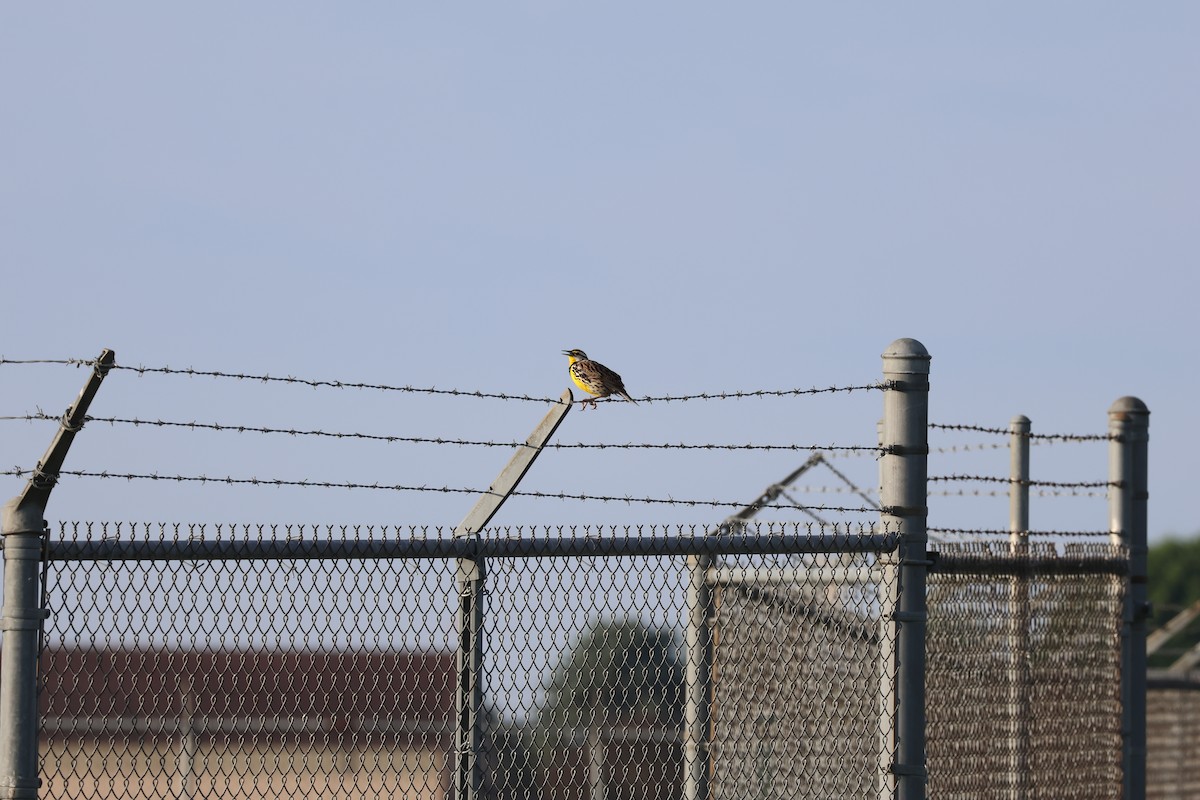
566, 352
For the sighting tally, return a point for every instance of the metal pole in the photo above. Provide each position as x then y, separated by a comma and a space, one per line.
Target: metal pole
597, 758
188, 746
23, 528
1018, 491
698, 698
21, 623
886, 783
699, 635
777, 540
1019, 676
1129, 435
904, 469
471, 580
468, 704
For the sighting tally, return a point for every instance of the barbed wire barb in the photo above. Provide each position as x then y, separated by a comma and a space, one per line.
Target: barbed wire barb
1026, 482
313, 484
444, 440
1007, 533
1059, 437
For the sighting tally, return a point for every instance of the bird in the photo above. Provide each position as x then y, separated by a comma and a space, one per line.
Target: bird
594, 378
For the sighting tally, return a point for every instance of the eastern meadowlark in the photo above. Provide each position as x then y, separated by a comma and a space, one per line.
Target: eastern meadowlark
594, 378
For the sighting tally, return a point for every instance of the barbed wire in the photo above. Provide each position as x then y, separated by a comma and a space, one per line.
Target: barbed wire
994, 493
822, 489
809, 488
966, 448
311, 484
878, 385
339, 384
850, 484
978, 446
331, 383
1026, 482
1058, 437
1007, 533
239, 428
795, 504
73, 362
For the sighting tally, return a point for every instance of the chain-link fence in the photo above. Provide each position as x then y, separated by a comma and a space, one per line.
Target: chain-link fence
195, 668
804, 669
1024, 671
1172, 736
750, 660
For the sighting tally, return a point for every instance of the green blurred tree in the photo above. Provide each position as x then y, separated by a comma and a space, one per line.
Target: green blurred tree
619, 673
1174, 572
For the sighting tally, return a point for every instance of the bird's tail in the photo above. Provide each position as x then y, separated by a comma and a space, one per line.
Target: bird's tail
625, 394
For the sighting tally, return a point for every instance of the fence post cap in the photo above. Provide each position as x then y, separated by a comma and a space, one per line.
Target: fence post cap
1128, 405
906, 350
21, 517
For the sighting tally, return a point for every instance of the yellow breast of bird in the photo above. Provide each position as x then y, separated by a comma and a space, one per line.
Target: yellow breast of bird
586, 378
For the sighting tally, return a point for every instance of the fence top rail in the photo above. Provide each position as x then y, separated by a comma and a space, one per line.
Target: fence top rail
1157, 679
1075, 561
470, 547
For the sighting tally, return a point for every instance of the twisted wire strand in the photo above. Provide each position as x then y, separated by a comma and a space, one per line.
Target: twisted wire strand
1057, 437
822, 489
996, 493
850, 484
310, 484
1050, 484
1007, 533
796, 504
237, 428
967, 448
337, 384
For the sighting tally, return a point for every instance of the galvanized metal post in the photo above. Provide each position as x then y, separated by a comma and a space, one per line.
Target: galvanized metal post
1019, 674
698, 694
885, 788
23, 530
471, 579
596, 747
1129, 436
905, 470
1018, 490
21, 623
468, 701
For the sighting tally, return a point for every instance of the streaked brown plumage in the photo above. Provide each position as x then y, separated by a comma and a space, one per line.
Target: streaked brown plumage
594, 378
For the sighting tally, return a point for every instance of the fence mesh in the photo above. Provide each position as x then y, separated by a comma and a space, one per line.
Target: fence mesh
336, 677
803, 680
1173, 737
1023, 655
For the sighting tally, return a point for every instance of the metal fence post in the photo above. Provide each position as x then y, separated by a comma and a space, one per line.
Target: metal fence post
1129, 434
471, 580
698, 691
23, 531
886, 779
904, 468
22, 623
468, 731
1019, 677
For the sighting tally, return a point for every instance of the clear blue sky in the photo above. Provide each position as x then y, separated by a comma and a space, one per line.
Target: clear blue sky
706, 198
